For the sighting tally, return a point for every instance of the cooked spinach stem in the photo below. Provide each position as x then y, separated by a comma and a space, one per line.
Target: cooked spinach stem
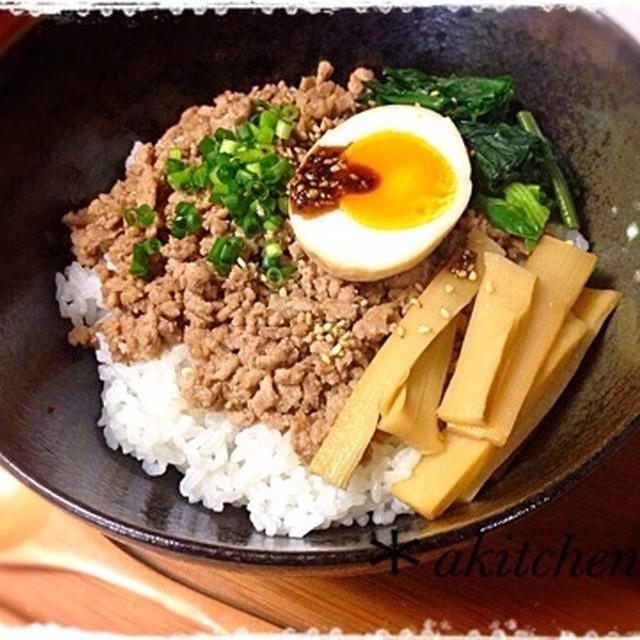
566, 207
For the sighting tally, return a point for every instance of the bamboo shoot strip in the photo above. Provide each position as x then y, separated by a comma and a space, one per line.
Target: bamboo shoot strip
412, 417
466, 463
354, 427
578, 333
562, 272
503, 300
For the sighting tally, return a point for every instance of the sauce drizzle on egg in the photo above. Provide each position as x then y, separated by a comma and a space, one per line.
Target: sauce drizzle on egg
385, 180
324, 178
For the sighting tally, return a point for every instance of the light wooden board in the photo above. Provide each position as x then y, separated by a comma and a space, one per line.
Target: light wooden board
603, 512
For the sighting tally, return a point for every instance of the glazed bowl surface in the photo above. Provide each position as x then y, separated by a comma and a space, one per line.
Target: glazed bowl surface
74, 96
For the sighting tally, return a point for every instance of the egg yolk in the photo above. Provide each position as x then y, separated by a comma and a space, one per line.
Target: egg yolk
415, 181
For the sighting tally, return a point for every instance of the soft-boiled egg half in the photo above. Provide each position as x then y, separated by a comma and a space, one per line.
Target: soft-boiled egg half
401, 181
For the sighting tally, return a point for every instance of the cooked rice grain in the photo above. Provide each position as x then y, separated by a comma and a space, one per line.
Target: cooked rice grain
145, 416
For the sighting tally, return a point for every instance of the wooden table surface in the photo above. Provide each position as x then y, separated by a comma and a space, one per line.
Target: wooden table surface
602, 515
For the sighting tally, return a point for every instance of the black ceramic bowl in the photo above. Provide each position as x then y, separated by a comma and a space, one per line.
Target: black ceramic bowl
76, 93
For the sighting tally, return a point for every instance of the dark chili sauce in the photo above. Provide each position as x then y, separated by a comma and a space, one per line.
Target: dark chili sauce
323, 178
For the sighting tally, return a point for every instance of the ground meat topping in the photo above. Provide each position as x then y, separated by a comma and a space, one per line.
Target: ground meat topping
288, 358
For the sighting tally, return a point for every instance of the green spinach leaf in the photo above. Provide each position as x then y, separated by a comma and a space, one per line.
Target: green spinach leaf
460, 98
521, 212
503, 153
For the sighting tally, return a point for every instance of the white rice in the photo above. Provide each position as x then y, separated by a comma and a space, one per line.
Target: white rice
145, 416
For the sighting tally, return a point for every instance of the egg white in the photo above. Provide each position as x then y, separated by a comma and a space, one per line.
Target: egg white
353, 251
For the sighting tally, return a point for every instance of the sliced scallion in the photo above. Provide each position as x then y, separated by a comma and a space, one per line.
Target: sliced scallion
283, 129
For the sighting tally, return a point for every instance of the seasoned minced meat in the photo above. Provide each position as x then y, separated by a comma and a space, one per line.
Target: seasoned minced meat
288, 358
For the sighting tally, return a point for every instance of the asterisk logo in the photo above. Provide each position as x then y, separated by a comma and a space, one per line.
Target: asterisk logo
394, 551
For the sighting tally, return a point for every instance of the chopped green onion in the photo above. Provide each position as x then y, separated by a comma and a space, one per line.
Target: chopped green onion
255, 167
278, 171
174, 165
274, 276
144, 215
283, 205
141, 216
225, 173
264, 136
224, 252
129, 215
175, 153
245, 174
268, 161
244, 177
152, 245
186, 220
283, 129
250, 155
272, 223
199, 177
228, 146
179, 179
289, 112
207, 145
221, 134
275, 271
267, 119
235, 203
141, 251
272, 250
244, 132
251, 224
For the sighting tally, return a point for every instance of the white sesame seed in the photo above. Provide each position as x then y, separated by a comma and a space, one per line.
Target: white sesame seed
341, 323
415, 302
636, 275
345, 335
241, 263
327, 326
445, 313
448, 288
325, 358
392, 326
283, 292
488, 286
632, 231
423, 328
400, 331
473, 276
336, 349
328, 338
418, 287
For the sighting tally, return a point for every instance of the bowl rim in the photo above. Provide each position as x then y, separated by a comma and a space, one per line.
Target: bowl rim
359, 554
